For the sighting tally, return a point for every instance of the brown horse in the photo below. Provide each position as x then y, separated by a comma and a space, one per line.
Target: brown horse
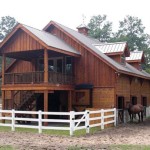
135, 109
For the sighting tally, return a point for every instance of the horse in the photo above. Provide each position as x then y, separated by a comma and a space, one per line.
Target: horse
135, 109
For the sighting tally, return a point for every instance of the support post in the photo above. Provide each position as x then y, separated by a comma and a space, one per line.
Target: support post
3, 68
40, 121
13, 120
115, 117
12, 99
45, 106
72, 118
87, 121
102, 119
3, 105
69, 100
45, 66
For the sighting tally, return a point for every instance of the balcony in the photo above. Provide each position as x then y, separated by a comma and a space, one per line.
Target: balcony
38, 78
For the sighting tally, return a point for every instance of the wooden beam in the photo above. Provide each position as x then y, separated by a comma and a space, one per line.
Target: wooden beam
45, 65
3, 104
3, 68
46, 106
36, 87
12, 99
70, 93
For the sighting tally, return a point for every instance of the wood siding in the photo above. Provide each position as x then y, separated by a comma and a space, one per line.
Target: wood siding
22, 67
21, 41
88, 68
116, 58
128, 87
103, 97
123, 87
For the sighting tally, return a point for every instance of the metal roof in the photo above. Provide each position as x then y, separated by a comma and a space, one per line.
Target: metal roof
135, 55
111, 47
89, 42
51, 40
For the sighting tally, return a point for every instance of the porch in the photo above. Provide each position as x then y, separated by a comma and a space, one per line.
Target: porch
37, 77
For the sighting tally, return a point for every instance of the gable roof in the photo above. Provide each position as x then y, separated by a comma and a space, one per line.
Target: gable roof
113, 48
136, 56
46, 39
89, 44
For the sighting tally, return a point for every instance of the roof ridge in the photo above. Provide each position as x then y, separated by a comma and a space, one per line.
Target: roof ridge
110, 43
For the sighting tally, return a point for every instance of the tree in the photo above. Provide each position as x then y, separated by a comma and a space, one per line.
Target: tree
100, 28
131, 30
7, 23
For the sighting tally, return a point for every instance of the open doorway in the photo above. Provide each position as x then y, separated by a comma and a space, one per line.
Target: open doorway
120, 107
57, 102
144, 103
133, 100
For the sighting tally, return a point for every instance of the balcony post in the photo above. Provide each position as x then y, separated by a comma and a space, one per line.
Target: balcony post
45, 66
3, 68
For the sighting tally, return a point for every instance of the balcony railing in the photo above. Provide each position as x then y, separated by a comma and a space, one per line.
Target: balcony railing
37, 78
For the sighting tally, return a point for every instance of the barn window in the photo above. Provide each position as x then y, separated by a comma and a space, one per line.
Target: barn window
120, 102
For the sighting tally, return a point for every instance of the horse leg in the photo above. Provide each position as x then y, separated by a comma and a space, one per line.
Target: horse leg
139, 116
132, 117
142, 116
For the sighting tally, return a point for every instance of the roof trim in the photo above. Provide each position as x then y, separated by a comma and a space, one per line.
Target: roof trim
20, 26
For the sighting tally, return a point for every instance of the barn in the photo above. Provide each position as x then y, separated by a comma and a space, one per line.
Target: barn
60, 69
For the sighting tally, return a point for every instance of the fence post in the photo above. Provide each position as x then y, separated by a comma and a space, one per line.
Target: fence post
115, 116
40, 120
102, 119
13, 120
72, 118
87, 121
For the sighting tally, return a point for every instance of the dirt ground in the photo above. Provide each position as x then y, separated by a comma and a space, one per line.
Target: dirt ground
133, 133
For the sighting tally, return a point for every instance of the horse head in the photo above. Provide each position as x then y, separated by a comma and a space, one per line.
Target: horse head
128, 105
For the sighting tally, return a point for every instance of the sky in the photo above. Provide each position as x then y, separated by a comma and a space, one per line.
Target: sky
37, 13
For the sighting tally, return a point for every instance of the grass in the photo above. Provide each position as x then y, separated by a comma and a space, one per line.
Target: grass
130, 147
115, 147
7, 147
51, 132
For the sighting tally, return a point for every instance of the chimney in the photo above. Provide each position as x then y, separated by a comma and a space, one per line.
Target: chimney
83, 29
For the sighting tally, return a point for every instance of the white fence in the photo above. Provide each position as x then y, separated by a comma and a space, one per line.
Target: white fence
75, 121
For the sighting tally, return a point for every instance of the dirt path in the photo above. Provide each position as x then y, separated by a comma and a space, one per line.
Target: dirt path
124, 134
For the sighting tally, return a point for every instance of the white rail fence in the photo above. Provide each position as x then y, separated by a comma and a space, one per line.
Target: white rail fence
75, 120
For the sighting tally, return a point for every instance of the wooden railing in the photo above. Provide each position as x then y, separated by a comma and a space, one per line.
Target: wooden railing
24, 78
59, 78
37, 77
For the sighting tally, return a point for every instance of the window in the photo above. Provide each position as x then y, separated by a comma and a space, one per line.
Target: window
68, 66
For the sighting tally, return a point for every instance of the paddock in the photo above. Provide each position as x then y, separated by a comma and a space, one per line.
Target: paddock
132, 134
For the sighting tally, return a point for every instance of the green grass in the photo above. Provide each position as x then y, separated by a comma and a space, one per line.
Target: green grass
115, 147
130, 147
7, 147
51, 132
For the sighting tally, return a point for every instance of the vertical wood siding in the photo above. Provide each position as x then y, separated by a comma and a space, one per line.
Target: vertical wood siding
21, 41
88, 68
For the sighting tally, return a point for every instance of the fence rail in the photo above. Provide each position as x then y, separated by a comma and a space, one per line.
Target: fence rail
75, 120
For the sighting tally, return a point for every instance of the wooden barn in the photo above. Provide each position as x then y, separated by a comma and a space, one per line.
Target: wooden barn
60, 69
